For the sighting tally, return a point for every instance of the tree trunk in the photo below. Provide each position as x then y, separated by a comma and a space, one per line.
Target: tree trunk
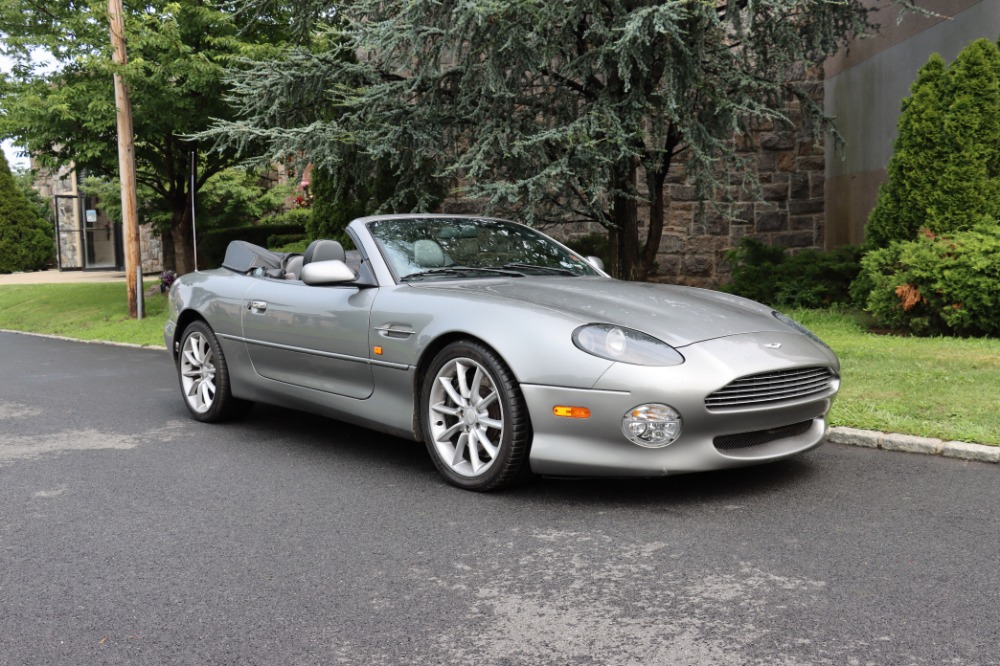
624, 235
657, 205
169, 258
656, 178
183, 239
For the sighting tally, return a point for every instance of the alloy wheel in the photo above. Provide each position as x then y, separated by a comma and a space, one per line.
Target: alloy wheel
465, 413
198, 372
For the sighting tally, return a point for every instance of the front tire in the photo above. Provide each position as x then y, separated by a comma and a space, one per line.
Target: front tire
475, 422
204, 376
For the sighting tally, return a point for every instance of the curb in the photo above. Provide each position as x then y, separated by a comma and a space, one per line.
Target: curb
88, 342
873, 439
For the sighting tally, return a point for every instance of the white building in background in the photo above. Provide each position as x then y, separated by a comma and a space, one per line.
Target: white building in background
86, 238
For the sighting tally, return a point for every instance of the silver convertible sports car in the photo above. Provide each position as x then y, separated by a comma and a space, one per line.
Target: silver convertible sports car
502, 350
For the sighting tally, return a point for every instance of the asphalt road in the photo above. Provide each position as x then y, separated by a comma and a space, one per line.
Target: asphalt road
130, 534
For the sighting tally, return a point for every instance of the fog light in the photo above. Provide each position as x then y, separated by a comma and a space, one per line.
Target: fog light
652, 425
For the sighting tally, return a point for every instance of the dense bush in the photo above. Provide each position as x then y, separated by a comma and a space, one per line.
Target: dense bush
944, 174
212, 244
807, 279
236, 197
297, 247
25, 238
297, 216
592, 245
938, 284
281, 240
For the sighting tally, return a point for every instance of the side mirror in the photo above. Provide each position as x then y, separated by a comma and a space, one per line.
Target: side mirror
596, 262
332, 271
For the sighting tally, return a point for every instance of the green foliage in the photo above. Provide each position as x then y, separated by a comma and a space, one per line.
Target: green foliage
945, 172
296, 247
807, 279
282, 240
335, 201
333, 207
178, 50
938, 284
541, 111
237, 197
297, 216
212, 245
25, 238
25, 179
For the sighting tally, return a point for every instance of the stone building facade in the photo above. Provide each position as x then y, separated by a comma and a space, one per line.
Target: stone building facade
86, 238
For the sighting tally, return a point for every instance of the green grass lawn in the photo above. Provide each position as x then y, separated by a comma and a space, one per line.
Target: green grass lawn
97, 311
934, 387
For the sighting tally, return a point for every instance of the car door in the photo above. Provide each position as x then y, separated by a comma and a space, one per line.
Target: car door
310, 336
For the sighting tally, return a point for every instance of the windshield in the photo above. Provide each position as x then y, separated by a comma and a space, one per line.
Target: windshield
434, 247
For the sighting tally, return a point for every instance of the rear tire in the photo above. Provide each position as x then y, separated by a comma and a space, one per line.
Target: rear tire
475, 422
204, 376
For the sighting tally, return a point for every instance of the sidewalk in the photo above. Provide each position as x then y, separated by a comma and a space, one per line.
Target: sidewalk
56, 277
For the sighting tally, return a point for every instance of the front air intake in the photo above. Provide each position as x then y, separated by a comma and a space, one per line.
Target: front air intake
771, 387
747, 440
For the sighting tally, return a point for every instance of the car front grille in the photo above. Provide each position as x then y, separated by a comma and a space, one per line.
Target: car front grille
746, 440
771, 387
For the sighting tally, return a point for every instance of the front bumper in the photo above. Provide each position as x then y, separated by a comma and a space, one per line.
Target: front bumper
596, 446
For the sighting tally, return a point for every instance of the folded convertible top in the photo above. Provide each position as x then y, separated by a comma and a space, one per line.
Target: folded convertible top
243, 257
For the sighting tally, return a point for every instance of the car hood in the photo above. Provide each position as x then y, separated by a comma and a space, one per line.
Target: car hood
677, 315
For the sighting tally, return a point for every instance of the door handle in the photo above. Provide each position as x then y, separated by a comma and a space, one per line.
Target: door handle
257, 307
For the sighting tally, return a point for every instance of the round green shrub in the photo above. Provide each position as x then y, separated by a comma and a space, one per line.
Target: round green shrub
947, 284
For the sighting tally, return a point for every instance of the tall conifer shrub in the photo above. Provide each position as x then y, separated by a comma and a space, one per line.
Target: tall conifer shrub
945, 172
25, 238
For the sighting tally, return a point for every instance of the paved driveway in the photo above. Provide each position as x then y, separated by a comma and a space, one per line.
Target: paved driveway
130, 534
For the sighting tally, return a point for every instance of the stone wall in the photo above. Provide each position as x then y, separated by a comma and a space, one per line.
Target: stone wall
696, 236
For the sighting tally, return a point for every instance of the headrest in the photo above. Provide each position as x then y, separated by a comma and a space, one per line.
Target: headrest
323, 250
427, 254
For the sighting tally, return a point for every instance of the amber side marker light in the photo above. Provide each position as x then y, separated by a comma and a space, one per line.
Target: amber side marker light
571, 412
377, 350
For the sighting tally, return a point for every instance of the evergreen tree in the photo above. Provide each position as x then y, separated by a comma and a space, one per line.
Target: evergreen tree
25, 238
970, 175
944, 174
544, 111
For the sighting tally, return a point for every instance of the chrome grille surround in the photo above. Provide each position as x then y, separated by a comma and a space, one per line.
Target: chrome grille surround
771, 387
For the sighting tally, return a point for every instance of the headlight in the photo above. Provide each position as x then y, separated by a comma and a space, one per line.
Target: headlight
617, 343
785, 319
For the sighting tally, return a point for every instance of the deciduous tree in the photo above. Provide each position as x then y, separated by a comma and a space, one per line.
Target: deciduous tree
178, 53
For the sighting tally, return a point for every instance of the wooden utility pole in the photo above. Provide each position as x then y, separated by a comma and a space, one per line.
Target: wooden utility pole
126, 165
